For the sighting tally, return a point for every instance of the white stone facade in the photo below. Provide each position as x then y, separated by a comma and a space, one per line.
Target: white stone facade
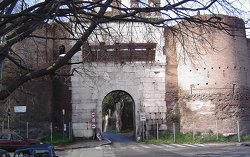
145, 82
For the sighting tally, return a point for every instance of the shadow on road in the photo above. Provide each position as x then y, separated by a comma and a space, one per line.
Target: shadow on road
118, 137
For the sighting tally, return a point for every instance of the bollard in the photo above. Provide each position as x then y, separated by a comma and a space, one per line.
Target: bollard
157, 131
238, 130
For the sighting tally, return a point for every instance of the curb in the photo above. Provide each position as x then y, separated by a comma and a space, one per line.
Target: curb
108, 143
79, 147
247, 144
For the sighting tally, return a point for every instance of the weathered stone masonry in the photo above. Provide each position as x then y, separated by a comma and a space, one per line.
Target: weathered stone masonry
209, 91
213, 81
143, 80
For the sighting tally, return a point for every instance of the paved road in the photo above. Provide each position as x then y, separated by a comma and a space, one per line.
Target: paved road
82, 152
178, 150
124, 147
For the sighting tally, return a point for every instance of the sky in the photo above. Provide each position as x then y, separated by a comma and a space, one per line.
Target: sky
243, 7
242, 11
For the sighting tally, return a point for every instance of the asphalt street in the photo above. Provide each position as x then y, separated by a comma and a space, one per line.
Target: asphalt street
124, 146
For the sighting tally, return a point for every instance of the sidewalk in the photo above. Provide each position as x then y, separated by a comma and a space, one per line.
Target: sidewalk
81, 143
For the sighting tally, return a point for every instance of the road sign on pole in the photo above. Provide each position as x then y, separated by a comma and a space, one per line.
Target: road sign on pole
93, 120
93, 114
93, 126
19, 109
142, 117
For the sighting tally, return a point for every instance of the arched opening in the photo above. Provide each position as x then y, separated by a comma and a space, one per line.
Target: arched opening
118, 113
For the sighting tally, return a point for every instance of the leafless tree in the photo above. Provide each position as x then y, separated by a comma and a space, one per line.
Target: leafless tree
20, 18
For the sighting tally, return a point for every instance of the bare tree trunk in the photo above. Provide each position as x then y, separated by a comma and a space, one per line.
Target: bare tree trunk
118, 114
106, 121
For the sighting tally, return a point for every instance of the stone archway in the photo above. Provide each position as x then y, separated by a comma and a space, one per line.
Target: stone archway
118, 112
145, 83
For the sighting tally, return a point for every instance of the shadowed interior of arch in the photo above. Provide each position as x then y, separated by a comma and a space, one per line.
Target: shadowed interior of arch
118, 113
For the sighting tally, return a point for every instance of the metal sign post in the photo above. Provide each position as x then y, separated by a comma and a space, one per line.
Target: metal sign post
93, 123
143, 131
143, 119
63, 126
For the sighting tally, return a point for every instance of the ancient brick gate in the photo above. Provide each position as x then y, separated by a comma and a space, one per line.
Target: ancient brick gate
138, 68
145, 84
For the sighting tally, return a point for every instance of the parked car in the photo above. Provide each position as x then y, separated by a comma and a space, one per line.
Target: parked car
11, 141
4, 153
41, 150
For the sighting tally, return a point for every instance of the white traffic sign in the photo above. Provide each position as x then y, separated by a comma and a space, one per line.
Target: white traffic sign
142, 117
93, 126
93, 114
19, 109
93, 120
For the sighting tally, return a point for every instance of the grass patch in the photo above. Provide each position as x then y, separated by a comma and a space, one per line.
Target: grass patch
245, 138
198, 138
57, 139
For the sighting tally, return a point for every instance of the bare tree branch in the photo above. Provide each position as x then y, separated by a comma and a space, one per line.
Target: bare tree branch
18, 23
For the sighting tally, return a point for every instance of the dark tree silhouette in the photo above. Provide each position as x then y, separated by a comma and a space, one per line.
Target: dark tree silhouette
19, 19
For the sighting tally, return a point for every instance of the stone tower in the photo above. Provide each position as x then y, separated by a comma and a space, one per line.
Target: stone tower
212, 76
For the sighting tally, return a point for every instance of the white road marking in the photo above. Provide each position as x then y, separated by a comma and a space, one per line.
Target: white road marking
200, 145
178, 145
157, 146
167, 145
190, 145
98, 148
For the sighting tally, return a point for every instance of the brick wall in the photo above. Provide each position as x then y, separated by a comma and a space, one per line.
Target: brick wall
213, 75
